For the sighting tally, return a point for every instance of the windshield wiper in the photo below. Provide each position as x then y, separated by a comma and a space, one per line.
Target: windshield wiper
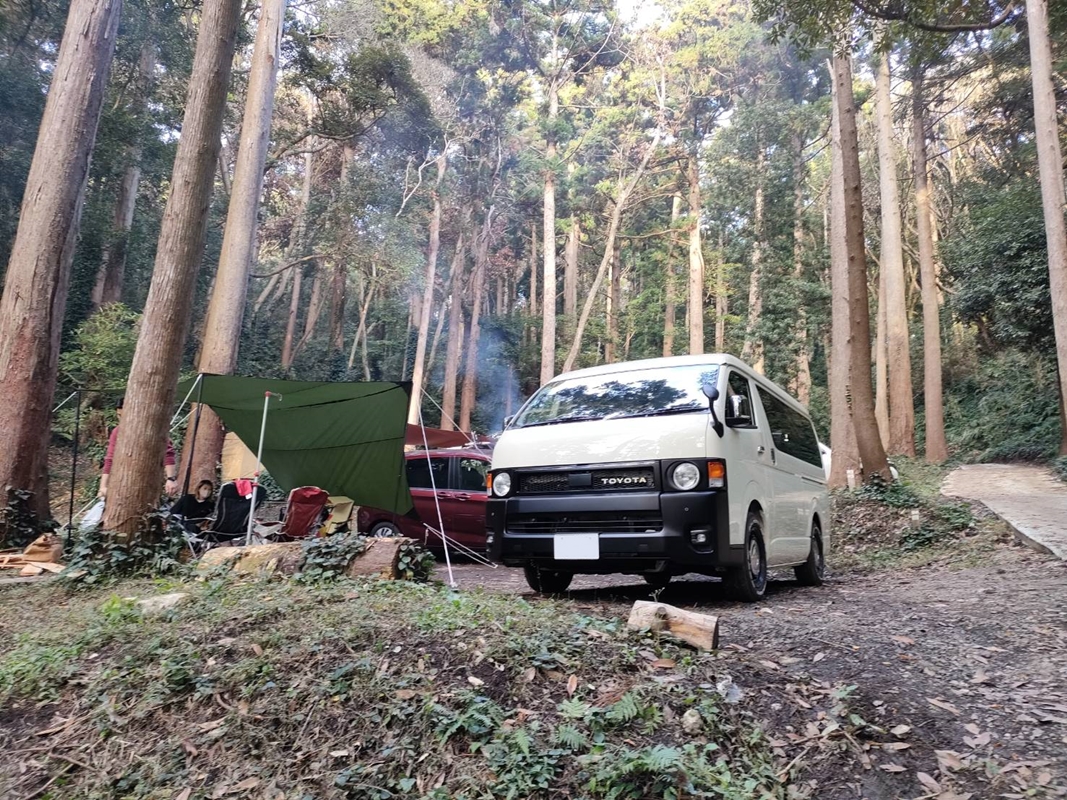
661, 412
576, 418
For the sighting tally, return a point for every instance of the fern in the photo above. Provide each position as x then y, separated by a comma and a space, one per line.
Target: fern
570, 737
574, 709
624, 710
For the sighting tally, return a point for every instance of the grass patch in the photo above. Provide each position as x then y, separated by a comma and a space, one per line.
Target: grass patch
362, 690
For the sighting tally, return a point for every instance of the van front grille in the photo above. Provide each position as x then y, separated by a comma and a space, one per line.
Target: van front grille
621, 479
589, 522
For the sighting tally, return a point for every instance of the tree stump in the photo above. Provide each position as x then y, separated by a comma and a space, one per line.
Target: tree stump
379, 559
699, 630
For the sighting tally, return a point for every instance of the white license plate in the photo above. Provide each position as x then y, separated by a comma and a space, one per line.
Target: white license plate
576, 546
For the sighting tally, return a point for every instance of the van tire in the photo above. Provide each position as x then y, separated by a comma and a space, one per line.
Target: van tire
813, 571
547, 581
748, 582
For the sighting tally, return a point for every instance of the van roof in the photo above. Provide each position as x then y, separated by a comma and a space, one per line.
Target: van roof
720, 359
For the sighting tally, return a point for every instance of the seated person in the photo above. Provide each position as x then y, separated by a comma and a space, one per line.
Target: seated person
196, 507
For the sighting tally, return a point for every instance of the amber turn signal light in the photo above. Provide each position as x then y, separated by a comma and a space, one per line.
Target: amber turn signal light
716, 474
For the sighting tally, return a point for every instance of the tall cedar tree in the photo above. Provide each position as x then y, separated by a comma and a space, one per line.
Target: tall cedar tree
38, 274
134, 487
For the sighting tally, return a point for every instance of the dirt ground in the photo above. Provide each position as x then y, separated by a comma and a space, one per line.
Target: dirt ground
964, 670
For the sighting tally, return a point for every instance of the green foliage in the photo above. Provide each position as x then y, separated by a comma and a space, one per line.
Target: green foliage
415, 563
102, 350
327, 557
893, 493
476, 719
18, 524
98, 557
1059, 468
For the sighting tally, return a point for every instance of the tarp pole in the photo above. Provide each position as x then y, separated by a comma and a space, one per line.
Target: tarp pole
192, 441
436, 501
259, 459
74, 462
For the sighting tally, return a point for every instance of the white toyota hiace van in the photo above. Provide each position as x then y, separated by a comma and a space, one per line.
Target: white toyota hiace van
659, 468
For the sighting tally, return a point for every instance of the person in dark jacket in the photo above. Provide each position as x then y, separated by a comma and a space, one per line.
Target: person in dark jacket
196, 507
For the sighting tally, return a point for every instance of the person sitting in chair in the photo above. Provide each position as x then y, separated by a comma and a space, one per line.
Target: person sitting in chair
198, 506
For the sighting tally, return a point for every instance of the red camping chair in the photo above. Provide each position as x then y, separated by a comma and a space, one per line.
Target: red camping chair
303, 515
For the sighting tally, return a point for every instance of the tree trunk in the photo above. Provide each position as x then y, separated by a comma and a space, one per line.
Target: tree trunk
696, 259
110, 275
1050, 165
901, 435
134, 484
454, 348
338, 301
548, 307
290, 324
570, 267
846, 457
226, 307
722, 297
533, 268
881, 368
611, 306
752, 350
38, 273
311, 320
936, 446
802, 381
622, 198
426, 311
872, 455
469, 391
670, 300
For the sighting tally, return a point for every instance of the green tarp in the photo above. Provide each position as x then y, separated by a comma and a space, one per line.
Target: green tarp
346, 438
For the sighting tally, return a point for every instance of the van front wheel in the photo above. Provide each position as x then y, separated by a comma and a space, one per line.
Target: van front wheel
547, 581
812, 571
748, 582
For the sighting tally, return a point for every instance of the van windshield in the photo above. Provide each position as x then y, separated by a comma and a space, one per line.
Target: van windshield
637, 393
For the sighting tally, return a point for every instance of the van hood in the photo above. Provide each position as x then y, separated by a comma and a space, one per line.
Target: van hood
604, 441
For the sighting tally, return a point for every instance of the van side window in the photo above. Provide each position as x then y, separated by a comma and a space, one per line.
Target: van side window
472, 475
419, 473
791, 431
739, 402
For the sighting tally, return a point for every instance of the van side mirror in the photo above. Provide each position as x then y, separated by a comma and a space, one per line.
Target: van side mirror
508, 420
712, 393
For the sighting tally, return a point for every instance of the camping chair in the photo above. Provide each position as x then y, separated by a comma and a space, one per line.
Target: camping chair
303, 515
341, 508
231, 513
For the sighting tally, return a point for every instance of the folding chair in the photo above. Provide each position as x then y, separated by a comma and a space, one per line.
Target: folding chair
231, 513
304, 513
341, 508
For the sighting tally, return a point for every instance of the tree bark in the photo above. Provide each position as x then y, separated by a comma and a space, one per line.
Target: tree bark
456, 328
570, 263
134, 484
936, 446
846, 457
338, 301
1050, 166
881, 368
696, 259
548, 307
670, 292
901, 434
226, 307
426, 311
722, 298
533, 268
872, 454
752, 350
611, 306
802, 380
38, 274
109, 277
468, 394
290, 324
311, 320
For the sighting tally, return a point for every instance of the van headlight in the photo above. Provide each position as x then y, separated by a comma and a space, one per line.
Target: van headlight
501, 484
685, 476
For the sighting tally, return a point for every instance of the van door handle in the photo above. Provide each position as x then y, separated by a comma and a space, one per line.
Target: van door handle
774, 456
761, 450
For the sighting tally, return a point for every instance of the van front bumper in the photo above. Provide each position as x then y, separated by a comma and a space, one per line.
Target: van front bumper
637, 531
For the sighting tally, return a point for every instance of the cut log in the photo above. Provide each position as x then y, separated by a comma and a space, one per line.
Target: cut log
285, 558
49, 567
378, 560
30, 570
699, 630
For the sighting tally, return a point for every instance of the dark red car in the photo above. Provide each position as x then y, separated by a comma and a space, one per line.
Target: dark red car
459, 476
